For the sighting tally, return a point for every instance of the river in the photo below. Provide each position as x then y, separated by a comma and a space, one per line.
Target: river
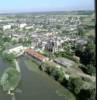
35, 86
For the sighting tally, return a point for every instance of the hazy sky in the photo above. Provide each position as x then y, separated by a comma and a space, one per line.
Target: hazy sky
45, 5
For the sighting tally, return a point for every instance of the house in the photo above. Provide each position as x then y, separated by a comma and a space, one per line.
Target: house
64, 62
37, 56
17, 49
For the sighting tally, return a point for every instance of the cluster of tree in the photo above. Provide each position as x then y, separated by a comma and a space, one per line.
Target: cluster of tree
9, 58
3, 40
74, 84
6, 39
26, 41
80, 31
87, 94
87, 58
52, 70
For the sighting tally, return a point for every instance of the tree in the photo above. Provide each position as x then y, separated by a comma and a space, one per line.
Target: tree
8, 57
87, 55
6, 39
75, 85
47, 67
88, 94
51, 69
80, 31
90, 69
58, 74
58, 26
65, 32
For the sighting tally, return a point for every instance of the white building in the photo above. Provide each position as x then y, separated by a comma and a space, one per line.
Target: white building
17, 50
23, 25
5, 27
29, 27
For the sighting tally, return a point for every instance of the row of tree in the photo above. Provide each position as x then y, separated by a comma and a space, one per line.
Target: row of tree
74, 84
87, 56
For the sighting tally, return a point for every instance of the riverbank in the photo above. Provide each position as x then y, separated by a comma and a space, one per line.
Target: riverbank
17, 65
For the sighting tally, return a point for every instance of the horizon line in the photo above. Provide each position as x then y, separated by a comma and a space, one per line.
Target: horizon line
44, 11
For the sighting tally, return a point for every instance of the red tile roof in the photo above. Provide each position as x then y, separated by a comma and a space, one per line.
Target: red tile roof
36, 54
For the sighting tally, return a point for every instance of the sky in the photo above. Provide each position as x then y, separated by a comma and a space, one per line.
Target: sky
45, 5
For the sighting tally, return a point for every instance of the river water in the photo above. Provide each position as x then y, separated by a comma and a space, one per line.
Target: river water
34, 86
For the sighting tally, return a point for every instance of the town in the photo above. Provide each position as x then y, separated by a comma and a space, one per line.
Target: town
60, 45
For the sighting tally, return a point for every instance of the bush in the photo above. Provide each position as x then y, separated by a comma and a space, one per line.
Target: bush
51, 69
47, 67
65, 82
8, 57
75, 85
58, 74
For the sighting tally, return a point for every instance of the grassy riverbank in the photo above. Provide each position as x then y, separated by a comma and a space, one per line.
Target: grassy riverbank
10, 79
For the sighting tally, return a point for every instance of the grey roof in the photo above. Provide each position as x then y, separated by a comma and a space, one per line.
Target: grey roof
65, 62
81, 41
